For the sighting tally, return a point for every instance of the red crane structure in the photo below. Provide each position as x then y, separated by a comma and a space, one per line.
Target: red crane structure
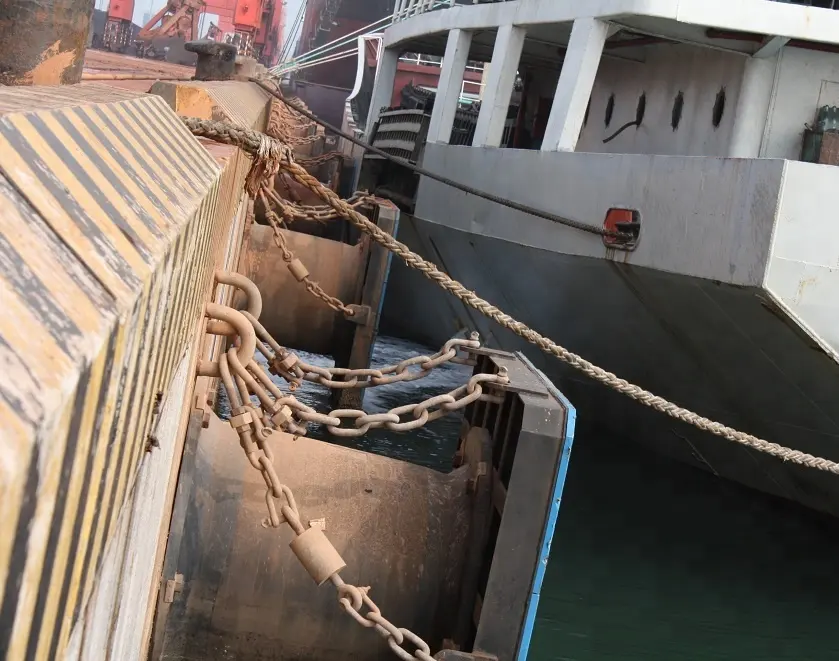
178, 18
118, 27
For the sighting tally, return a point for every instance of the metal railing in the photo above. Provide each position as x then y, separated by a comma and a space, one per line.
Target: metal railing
407, 8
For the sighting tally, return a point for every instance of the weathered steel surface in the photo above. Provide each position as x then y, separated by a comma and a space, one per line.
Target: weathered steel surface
216, 60
244, 104
294, 317
399, 527
42, 42
114, 218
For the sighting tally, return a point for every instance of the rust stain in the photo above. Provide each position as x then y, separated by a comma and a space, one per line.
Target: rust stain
802, 285
51, 67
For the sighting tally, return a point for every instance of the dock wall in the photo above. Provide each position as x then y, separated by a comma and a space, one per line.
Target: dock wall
115, 219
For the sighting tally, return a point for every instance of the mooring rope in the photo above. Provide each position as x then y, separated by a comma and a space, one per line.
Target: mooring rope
252, 142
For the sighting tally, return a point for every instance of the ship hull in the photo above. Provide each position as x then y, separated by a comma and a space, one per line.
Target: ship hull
724, 351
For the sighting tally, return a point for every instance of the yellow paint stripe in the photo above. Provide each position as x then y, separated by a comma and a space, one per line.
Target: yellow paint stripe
62, 559
94, 210
135, 422
154, 157
128, 413
23, 331
65, 293
154, 337
140, 168
78, 591
20, 172
49, 474
133, 347
15, 454
163, 223
178, 135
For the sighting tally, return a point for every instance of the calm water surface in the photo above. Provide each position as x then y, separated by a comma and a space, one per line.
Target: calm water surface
432, 445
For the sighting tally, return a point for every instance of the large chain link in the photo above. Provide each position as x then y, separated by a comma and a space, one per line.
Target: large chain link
352, 599
420, 414
368, 378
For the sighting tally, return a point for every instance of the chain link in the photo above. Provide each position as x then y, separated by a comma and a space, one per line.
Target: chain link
422, 413
281, 123
250, 423
351, 599
319, 213
296, 267
311, 161
398, 373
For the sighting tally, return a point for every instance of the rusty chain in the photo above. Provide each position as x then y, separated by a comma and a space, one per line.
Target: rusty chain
319, 213
294, 415
281, 123
422, 413
285, 362
296, 267
312, 161
290, 367
251, 423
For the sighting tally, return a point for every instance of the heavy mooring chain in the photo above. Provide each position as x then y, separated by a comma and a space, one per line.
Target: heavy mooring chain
399, 373
421, 413
352, 599
250, 423
296, 267
247, 139
319, 213
312, 161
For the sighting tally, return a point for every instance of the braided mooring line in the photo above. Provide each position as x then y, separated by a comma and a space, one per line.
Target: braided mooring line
249, 141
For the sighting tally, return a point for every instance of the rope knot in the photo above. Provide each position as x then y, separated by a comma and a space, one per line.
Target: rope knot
266, 163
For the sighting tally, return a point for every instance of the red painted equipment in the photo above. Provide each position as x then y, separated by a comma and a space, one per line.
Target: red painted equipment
117, 35
178, 18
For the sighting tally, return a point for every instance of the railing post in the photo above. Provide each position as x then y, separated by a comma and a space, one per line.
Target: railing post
573, 90
499, 86
450, 86
383, 86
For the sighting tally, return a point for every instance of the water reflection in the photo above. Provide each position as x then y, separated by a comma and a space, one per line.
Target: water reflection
432, 445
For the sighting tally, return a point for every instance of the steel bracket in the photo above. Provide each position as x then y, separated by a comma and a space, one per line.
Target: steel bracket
173, 586
362, 315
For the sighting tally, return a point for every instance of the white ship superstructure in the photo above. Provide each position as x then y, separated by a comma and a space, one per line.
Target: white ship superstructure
727, 301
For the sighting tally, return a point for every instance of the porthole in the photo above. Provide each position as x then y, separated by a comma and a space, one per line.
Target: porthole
678, 107
610, 110
719, 108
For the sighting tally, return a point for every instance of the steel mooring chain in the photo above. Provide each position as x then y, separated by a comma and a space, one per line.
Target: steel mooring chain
424, 412
279, 116
372, 377
320, 213
251, 141
252, 424
296, 267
